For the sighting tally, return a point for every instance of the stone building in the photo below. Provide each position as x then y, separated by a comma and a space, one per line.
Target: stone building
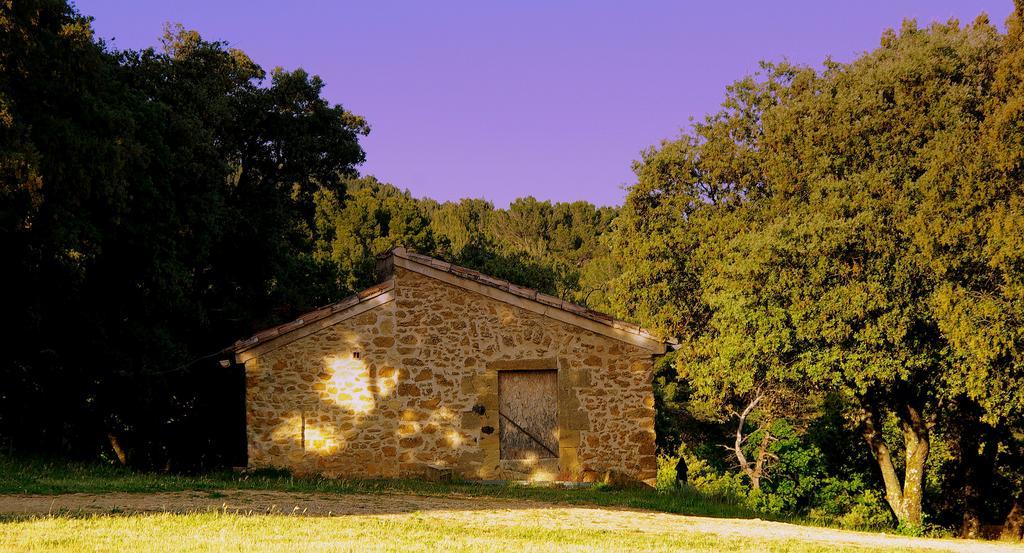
441, 368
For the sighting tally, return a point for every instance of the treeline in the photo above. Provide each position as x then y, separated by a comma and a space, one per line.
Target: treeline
839, 253
557, 248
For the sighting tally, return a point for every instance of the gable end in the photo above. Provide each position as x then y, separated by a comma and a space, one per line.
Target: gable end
543, 304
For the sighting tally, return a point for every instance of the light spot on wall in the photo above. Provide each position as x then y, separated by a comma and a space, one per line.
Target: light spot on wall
386, 382
311, 437
530, 459
541, 475
288, 430
442, 414
322, 439
347, 384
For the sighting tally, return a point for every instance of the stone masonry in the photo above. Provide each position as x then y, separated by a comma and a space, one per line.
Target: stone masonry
403, 381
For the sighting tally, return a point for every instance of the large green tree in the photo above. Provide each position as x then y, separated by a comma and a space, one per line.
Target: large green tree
847, 230
155, 206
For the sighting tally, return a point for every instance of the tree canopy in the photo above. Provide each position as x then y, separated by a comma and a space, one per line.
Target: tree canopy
853, 231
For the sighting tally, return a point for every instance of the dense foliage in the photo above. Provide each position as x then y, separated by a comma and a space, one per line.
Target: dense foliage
839, 254
851, 238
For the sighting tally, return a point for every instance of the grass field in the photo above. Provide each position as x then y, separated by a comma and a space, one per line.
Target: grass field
412, 532
30, 476
124, 510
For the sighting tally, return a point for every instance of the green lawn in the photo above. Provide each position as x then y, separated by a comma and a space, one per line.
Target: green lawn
29, 476
417, 530
411, 532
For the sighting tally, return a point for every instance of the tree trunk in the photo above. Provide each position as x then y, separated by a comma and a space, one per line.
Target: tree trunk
968, 444
905, 500
762, 455
118, 450
752, 470
879, 449
916, 439
977, 461
1013, 527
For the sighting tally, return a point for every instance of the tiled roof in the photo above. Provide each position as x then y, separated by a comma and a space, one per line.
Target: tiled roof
456, 270
313, 316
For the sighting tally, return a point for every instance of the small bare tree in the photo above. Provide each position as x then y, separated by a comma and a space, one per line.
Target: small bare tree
754, 468
766, 405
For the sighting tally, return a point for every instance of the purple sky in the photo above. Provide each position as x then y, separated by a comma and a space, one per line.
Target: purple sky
550, 98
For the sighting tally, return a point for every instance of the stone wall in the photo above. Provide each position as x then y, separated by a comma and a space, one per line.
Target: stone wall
423, 391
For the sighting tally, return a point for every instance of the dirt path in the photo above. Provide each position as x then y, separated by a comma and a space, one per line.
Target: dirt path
473, 510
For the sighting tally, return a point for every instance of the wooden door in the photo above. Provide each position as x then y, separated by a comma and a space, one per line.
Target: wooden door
528, 414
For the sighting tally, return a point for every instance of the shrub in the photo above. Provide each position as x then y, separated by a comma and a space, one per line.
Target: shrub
868, 513
847, 503
666, 479
726, 487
